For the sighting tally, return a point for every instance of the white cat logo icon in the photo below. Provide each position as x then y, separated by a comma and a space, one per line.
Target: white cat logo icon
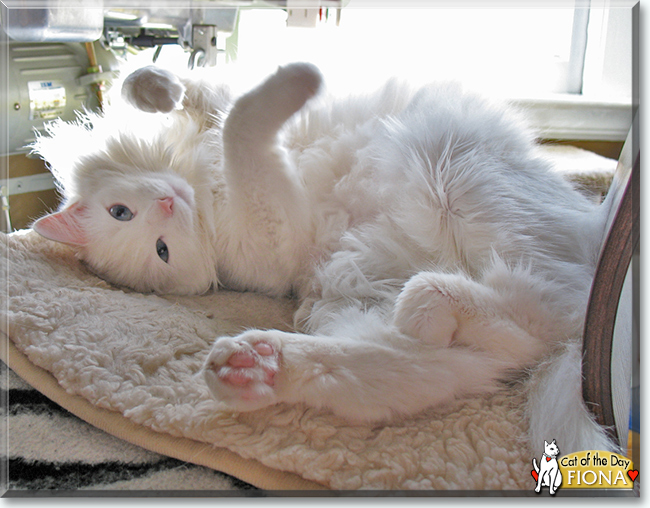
548, 474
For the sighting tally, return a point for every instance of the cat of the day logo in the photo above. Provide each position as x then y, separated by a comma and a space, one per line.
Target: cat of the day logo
592, 469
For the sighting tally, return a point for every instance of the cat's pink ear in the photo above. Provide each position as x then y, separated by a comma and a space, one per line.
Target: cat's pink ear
63, 226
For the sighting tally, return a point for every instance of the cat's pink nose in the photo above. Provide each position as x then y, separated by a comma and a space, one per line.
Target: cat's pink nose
167, 206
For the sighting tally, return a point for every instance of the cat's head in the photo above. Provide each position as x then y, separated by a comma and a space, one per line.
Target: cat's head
551, 449
134, 221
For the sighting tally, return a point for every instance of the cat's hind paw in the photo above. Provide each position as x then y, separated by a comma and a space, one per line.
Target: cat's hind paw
241, 371
425, 311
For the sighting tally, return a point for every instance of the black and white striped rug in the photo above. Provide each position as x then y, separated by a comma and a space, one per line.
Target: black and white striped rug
51, 451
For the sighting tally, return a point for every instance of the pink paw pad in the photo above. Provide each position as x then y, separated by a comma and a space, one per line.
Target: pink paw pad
243, 368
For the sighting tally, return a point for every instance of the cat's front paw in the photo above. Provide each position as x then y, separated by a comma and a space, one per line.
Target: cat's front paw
153, 90
241, 371
291, 87
302, 80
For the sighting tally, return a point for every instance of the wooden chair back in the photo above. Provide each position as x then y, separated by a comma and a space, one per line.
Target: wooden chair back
619, 243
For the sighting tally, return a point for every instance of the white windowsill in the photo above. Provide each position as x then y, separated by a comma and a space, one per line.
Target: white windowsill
574, 117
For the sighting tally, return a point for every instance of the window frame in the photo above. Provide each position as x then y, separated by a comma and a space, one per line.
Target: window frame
604, 107
595, 106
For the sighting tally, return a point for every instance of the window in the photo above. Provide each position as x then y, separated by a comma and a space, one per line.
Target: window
502, 50
570, 64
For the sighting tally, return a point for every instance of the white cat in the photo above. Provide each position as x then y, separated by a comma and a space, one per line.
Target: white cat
548, 471
432, 251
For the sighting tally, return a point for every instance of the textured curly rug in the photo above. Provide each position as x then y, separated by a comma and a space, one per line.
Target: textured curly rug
127, 363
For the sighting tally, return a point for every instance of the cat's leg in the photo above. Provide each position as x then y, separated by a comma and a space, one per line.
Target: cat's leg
551, 482
541, 481
370, 377
256, 166
557, 480
153, 90
267, 205
445, 309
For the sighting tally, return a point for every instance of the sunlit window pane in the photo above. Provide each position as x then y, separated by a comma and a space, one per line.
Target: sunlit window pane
509, 51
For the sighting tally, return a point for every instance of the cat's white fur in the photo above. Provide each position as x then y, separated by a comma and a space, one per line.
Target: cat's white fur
432, 251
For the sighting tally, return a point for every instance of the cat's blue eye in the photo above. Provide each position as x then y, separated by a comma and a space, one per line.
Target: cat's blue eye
162, 250
120, 212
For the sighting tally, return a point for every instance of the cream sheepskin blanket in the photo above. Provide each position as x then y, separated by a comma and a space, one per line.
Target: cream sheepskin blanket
128, 363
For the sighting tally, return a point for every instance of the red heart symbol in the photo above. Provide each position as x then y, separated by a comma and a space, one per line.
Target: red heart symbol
633, 474
535, 475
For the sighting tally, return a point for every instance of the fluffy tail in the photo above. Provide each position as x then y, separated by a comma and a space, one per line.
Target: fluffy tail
555, 406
